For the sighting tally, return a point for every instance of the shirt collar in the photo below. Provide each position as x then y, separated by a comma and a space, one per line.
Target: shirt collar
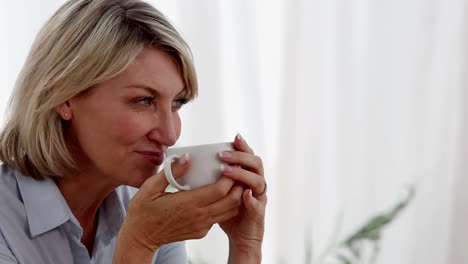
45, 206
111, 217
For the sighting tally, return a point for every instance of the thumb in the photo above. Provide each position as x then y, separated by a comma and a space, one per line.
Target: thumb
158, 182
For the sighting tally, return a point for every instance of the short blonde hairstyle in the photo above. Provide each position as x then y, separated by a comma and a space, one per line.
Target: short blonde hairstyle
84, 43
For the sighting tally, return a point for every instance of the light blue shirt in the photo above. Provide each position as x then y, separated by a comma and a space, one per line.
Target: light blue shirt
38, 227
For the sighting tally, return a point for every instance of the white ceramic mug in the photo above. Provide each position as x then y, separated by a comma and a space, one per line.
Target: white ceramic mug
204, 168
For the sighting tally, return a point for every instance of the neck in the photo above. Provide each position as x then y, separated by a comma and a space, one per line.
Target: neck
84, 195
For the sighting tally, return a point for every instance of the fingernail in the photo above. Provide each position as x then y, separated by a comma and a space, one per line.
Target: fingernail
225, 168
239, 137
224, 155
184, 159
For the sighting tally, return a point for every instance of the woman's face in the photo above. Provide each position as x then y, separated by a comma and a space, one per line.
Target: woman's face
122, 127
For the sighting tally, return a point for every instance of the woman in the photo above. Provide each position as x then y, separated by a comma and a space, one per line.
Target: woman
93, 111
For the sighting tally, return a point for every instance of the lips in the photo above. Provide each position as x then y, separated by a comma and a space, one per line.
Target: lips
156, 158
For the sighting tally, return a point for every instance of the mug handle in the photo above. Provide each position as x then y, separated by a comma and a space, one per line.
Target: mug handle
168, 173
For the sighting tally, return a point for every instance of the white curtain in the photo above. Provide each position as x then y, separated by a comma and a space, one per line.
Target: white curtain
347, 101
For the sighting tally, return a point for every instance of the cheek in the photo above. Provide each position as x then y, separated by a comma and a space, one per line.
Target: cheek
110, 131
177, 125
128, 128
121, 129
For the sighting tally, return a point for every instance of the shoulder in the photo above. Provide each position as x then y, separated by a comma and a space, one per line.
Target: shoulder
8, 181
12, 213
5, 252
10, 195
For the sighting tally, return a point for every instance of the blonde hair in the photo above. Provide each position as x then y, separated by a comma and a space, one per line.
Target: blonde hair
84, 43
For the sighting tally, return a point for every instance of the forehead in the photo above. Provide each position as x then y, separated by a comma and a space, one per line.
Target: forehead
153, 68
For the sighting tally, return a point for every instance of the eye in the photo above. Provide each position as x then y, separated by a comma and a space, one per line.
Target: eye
180, 102
146, 101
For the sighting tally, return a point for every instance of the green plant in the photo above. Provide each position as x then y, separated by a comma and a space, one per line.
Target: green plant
363, 246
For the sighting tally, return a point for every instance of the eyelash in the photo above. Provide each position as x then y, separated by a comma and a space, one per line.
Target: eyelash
145, 100
181, 102
150, 99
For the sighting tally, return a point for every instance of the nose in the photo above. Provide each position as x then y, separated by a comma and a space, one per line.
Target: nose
165, 129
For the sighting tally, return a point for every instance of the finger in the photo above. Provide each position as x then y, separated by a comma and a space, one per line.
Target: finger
241, 145
254, 206
254, 181
244, 159
232, 200
158, 182
210, 193
226, 215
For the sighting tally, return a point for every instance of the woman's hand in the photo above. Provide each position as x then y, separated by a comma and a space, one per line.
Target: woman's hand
155, 218
245, 231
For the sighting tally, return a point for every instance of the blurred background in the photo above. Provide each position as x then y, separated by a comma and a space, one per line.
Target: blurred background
349, 103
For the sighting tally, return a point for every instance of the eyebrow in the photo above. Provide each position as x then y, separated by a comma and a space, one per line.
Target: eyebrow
152, 90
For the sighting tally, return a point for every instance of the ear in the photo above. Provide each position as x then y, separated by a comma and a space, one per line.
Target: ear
64, 110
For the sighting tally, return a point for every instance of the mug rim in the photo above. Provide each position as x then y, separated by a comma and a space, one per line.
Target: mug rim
201, 145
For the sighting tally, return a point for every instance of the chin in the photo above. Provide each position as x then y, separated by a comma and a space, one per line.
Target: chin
138, 181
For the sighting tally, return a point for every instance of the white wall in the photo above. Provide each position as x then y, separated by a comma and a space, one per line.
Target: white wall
346, 101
